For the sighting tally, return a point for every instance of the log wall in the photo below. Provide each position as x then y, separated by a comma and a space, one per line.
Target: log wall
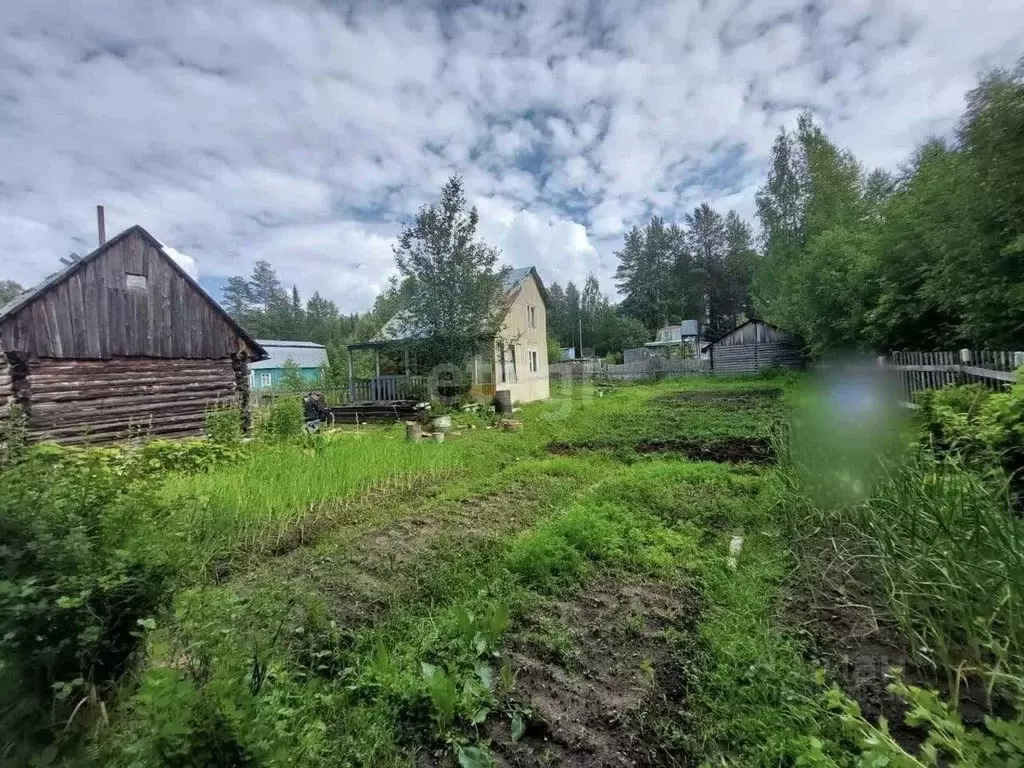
73, 401
6, 389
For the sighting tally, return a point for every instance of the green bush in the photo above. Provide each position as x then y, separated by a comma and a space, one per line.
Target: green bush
224, 426
81, 576
985, 428
283, 419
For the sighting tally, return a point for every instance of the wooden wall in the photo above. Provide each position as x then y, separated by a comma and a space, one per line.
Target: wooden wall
754, 332
72, 401
751, 358
6, 390
94, 314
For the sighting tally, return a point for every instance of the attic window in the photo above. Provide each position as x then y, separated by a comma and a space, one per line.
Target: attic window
135, 282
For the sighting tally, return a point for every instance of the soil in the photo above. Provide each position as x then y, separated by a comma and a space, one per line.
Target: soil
858, 650
628, 674
858, 645
756, 450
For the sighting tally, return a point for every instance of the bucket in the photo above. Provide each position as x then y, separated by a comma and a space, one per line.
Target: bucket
503, 401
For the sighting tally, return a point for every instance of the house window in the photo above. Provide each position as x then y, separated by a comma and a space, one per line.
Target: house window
531, 316
135, 282
252, 379
534, 365
265, 379
507, 365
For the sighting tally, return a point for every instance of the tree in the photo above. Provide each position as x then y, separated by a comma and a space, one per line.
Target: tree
740, 262
554, 350
264, 286
291, 377
591, 303
558, 320
707, 240
9, 290
237, 297
457, 302
817, 230
323, 320
572, 316
644, 272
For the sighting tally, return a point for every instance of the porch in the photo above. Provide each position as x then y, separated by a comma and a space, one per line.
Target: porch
414, 383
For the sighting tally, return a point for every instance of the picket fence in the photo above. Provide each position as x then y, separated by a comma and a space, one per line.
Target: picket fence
915, 371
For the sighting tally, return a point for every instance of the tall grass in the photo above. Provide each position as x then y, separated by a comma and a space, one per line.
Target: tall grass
940, 548
278, 490
949, 552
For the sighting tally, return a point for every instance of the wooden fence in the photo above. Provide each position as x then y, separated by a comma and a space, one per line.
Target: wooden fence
915, 371
645, 370
379, 389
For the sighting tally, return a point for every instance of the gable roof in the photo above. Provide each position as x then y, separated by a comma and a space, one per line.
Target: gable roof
744, 324
403, 325
305, 354
22, 300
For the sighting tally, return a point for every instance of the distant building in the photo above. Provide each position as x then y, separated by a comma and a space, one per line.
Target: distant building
673, 338
755, 346
520, 367
568, 353
309, 357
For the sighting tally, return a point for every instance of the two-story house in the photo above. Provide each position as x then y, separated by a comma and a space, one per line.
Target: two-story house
519, 362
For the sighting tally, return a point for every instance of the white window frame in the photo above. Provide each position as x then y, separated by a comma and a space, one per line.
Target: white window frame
266, 380
531, 316
534, 360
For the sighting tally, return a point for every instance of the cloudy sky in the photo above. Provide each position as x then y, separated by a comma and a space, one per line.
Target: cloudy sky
306, 133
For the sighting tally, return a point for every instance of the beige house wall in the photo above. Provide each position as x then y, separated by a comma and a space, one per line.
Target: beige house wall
517, 331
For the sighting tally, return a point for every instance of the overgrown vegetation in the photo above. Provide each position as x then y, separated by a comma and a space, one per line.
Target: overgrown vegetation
350, 598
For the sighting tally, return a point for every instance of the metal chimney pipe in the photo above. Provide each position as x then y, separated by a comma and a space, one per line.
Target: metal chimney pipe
101, 224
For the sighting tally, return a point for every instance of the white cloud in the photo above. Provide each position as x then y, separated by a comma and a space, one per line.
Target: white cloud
183, 260
305, 132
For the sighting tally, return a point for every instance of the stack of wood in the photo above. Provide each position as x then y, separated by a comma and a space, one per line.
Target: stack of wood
353, 413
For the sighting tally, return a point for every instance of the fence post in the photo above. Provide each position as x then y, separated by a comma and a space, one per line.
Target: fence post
351, 379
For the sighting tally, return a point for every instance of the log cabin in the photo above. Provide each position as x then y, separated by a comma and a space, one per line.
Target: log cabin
121, 343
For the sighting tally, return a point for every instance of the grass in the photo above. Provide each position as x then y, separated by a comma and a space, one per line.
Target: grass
481, 544
391, 634
250, 506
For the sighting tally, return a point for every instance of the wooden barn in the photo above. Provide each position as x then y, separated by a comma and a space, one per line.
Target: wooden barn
121, 342
754, 346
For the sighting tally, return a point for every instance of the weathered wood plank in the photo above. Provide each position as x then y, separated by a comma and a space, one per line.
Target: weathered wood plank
79, 394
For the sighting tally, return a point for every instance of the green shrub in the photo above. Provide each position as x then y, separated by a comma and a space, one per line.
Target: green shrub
80, 577
224, 426
283, 419
985, 428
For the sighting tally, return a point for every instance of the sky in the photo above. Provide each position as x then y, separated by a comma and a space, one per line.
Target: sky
308, 133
